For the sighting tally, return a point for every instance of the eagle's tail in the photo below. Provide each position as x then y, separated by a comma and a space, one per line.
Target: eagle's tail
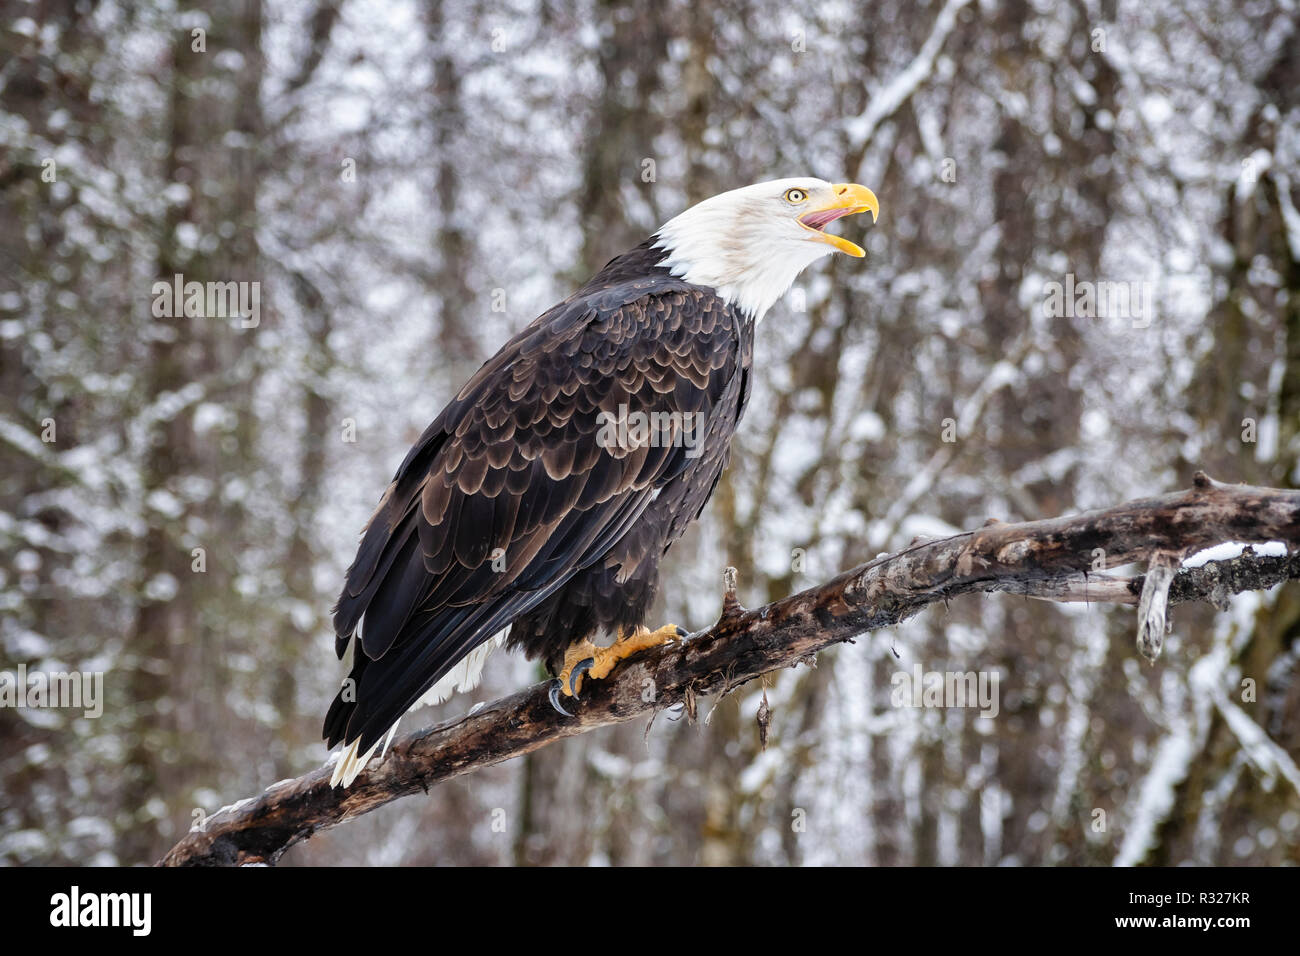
351, 762
464, 677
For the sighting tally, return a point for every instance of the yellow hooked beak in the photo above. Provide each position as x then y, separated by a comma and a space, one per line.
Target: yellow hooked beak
848, 199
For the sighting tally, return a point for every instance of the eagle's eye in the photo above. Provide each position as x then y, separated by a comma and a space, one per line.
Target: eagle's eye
795, 195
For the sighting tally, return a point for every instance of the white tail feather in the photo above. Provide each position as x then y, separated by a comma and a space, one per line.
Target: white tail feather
465, 676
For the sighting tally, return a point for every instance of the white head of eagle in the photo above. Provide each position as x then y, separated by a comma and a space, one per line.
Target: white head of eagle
516, 519
749, 244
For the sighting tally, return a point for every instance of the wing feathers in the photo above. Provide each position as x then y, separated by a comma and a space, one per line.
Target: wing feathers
512, 490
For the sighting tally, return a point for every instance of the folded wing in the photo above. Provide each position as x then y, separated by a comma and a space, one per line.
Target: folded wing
520, 483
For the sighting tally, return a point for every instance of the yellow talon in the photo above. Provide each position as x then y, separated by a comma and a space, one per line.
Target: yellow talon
605, 659
575, 655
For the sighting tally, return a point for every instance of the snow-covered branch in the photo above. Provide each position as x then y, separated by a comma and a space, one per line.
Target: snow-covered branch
1054, 558
887, 101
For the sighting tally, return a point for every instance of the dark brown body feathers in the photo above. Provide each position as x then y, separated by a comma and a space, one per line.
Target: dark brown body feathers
509, 512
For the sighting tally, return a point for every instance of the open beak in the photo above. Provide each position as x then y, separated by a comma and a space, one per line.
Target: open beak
849, 199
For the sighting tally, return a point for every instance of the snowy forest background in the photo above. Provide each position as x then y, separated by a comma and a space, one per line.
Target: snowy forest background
393, 173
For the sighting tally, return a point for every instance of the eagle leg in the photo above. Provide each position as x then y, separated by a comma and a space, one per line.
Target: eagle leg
583, 658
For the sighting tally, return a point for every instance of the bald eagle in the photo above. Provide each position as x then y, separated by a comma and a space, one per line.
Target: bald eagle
535, 509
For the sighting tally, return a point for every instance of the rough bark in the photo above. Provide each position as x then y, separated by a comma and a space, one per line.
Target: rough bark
1051, 559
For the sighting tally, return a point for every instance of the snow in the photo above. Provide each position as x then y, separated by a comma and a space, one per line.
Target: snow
1234, 549
868, 476
884, 102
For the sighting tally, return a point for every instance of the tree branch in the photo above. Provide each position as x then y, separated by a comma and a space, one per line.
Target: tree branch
1052, 559
887, 101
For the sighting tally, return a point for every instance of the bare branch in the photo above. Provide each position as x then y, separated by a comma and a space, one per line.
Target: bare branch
1052, 558
1153, 606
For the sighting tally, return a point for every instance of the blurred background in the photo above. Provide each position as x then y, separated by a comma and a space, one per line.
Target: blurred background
410, 182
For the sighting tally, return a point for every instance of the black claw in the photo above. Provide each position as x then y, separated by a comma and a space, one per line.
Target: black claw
554, 694
682, 633
579, 669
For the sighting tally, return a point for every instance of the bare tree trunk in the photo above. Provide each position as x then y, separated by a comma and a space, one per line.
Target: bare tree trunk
178, 667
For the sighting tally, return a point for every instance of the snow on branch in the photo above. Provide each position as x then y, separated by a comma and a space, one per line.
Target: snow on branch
887, 101
1058, 559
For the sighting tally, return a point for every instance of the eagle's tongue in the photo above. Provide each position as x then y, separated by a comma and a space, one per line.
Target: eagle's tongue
819, 219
